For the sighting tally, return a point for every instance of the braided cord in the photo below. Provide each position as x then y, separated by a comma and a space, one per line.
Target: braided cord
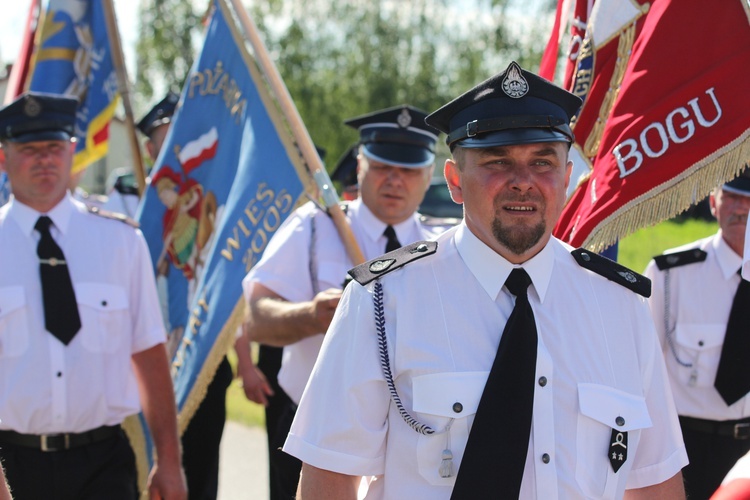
669, 331
385, 364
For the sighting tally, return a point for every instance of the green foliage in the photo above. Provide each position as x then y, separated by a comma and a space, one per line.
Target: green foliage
343, 58
636, 250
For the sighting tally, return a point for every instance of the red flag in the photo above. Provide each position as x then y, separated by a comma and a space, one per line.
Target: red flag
17, 78
665, 115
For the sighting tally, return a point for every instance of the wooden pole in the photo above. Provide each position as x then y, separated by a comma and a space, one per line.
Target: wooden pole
123, 87
299, 131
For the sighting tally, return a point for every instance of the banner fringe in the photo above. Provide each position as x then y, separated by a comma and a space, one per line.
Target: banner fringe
674, 197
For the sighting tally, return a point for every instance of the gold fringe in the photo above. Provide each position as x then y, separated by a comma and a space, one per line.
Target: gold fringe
224, 341
673, 197
134, 431
624, 46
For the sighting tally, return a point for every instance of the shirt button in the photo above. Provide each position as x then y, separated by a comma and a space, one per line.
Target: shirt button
620, 421
545, 458
59, 374
104, 303
458, 407
700, 343
542, 381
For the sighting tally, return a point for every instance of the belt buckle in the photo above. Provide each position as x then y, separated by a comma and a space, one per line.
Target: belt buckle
46, 446
742, 430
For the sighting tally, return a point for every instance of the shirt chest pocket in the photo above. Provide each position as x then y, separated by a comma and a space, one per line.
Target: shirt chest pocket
699, 345
14, 326
104, 315
447, 402
603, 409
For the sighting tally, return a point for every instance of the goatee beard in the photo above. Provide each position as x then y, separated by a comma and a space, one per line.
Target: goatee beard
518, 239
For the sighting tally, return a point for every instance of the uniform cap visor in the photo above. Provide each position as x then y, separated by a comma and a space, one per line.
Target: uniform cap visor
46, 135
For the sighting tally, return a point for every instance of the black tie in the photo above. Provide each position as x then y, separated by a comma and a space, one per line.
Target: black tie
392, 243
495, 454
733, 376
60, 308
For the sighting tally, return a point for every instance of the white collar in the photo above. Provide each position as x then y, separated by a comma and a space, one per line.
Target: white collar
491, 269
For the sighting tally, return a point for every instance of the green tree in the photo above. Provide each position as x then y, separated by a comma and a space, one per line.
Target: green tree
343, 58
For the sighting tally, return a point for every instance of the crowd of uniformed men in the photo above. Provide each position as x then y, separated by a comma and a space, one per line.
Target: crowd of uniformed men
481, 359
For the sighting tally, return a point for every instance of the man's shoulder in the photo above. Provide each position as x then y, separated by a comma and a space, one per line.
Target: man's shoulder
112, 216
612, 271
380, 266
690, 253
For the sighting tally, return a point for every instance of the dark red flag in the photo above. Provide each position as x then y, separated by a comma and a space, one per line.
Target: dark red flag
665, 115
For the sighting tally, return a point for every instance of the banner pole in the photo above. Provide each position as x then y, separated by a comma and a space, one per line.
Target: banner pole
300, 133
124, 88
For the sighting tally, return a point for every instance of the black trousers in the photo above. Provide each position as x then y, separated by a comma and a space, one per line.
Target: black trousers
711, 456
101, 470
201, 440
283, 469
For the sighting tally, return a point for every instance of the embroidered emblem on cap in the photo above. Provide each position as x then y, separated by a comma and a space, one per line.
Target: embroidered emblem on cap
381, 265
32, 107
404, 118
514, 84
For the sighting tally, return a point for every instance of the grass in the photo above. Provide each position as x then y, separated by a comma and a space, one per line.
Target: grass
637, 249
634, 252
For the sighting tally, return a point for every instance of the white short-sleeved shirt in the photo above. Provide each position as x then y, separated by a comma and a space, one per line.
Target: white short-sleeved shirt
308, 245
46, 386
700, 299
444, 314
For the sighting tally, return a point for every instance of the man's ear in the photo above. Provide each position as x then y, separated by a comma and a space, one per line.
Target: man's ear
453, 178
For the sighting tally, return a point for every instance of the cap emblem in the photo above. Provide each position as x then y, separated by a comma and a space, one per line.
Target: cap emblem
404, 118
32, 107
514, 84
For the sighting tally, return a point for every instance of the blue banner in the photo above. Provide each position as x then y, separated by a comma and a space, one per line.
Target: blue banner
73, 57
226, 178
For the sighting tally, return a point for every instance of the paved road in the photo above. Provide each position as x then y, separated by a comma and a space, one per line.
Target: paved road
243, 469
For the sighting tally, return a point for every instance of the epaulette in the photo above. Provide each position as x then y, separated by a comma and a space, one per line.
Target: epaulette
613, 271
677, 259
367, 272
114, 216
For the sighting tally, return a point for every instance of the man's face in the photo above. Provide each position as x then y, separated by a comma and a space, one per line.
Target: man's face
391, 193
39, 171
156, 140
512, 195
730, 210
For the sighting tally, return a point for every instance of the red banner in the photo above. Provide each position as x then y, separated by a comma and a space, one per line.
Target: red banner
19, 72
665, 116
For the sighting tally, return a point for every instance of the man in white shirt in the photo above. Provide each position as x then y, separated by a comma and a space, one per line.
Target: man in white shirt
694, 289
81, 335
294, 289
495, 361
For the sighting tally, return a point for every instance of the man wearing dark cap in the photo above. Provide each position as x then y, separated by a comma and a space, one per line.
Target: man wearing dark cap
293, 291
123, 198
495, 361
695, 289
81, 335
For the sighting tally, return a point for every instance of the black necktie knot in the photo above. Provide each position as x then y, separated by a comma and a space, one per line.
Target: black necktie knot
42, 224
518, 282
392, 242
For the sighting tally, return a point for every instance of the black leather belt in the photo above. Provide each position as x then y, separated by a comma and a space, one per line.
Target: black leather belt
59, 442
737, 429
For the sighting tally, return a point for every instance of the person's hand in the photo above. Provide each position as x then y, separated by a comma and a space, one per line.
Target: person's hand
167, 482
324, 305
254, 384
